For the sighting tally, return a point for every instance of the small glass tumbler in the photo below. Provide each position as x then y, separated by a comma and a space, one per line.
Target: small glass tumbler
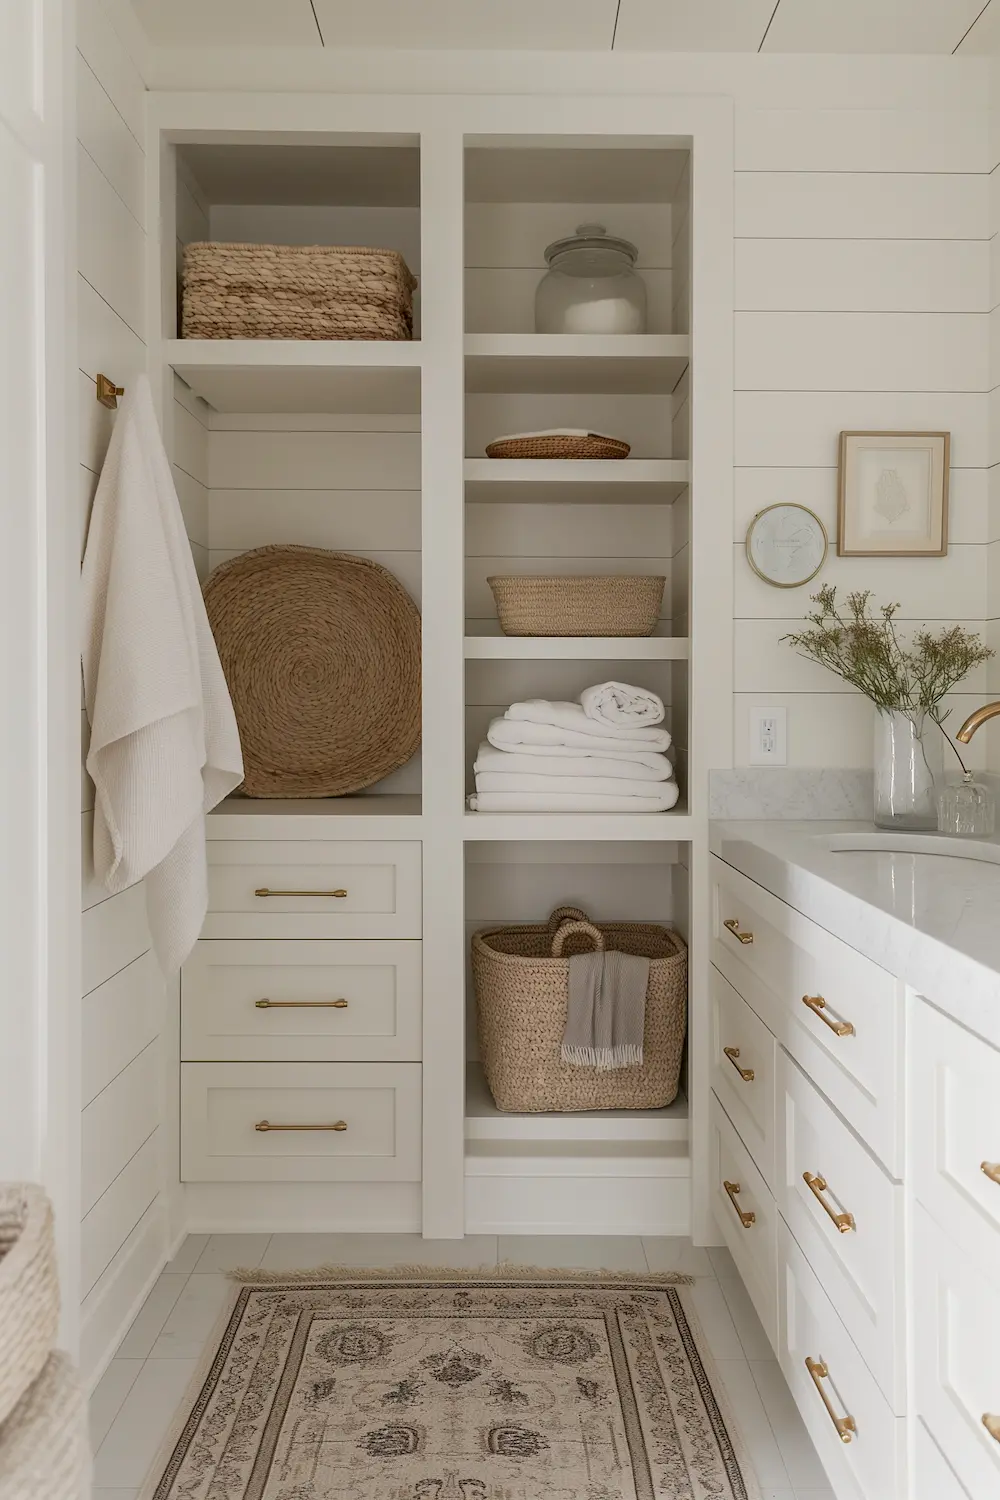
967, 808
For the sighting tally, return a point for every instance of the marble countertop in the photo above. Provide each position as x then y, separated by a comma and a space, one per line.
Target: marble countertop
931, 920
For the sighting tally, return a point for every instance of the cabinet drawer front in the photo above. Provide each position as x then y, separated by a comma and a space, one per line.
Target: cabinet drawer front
376, 1106
956, 1131
849, 1223
871, 1465
319, 889
849, 1036
956, 1339
752, 1241
288, 1001
743, 1071
933, 1476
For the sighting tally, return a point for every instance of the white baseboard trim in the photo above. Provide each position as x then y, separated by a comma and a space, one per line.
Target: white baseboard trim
571, 1205
110, 1308
302, 1207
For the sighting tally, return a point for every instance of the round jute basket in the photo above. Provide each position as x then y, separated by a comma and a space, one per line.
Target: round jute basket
321, 651
29, 1290
44, 1446
521, 978
559, 445
620, 604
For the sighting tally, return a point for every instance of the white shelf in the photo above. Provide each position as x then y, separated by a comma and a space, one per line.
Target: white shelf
577, 648
667, 827
389, 816
299, 375
600, 481
575, 364
484, 1122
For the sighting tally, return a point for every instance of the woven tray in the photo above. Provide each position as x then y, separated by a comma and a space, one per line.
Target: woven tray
321, 651
295, 292
620, 604
593, 445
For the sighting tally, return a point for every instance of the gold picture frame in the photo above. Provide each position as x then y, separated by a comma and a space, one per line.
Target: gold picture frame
892, 494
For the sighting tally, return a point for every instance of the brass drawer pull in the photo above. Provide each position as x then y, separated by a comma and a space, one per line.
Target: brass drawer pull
265, 1125
817, 1186
300, 1004
746, 1216
817, 1005
732, 925
846, 1426
992, 1425
747, 1074
266, 891
991, 1169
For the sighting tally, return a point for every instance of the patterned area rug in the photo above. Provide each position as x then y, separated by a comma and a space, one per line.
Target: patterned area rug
454, 1386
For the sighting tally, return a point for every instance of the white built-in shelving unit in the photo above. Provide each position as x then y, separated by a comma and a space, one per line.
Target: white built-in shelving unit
379, 449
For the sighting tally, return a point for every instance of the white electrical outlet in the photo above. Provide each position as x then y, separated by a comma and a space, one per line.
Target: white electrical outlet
768, 736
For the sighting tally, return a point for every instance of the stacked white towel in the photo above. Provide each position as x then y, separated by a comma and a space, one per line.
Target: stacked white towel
603, 754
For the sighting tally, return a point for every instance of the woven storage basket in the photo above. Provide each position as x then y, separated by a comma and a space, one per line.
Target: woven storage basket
295, 292
321, 651
521, 977
29, 1290
620, 604
552, 446
44, 1444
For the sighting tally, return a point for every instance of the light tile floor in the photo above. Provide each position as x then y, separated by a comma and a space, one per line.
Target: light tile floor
132, 1407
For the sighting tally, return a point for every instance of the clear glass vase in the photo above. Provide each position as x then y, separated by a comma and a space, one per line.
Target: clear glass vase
909, 770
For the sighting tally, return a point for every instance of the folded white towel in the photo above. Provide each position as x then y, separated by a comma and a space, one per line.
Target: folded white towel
571, 801
615, 705
598, 786
164, 745
546, 740
570, 719
573, 763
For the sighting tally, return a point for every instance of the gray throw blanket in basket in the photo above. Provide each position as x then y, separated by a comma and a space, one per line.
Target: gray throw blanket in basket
607, 1011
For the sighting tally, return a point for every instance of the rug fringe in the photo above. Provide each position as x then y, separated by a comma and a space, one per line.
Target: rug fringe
251, 1276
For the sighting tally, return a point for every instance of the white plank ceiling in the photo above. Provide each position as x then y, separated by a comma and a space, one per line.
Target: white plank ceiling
798, 26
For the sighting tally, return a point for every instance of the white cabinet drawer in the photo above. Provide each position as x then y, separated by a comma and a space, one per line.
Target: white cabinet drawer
849, 1224
286, 1001
956, 1131
836, 1012
326, 1122
956, 1356
866, 1460
746, 1214
743, 1071
312, 888
933, 1476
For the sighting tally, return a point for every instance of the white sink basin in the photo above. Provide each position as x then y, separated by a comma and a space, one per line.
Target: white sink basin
939, 844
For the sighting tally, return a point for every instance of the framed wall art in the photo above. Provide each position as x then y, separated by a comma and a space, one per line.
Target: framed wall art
893, 494
786, 545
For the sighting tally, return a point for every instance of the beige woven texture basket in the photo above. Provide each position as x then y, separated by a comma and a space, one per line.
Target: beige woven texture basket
321, 651
620, 604
44, 1443
594, 445
29, 1290
521, 978
295, 292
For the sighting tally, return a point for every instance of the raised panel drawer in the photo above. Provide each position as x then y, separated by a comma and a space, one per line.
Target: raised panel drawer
956, 1358
849, 1224
867, 1462
743, 1071
286, 1001
313, 889
933, 1476
956, 1131
836, 1012
746, 1214
376, 1104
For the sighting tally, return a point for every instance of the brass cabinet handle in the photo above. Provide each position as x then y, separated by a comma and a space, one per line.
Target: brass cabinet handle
265, 1125
991, 1169
846, 1426
818, 1186
266, 891
817, 1005
300, 1004
746, 1216
992, 1425
747, 1074
732, 925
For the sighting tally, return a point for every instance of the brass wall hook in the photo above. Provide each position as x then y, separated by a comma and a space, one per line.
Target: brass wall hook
108, 392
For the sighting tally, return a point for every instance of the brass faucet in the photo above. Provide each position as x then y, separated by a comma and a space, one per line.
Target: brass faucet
977, 720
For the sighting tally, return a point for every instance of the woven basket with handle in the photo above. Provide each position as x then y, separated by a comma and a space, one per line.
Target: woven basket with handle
619, 604
521, 978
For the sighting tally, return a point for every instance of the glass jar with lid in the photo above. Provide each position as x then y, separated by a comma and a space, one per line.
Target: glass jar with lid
591, 285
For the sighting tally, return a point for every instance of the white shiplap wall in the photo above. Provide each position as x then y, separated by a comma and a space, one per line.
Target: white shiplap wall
861, 292
992, 731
